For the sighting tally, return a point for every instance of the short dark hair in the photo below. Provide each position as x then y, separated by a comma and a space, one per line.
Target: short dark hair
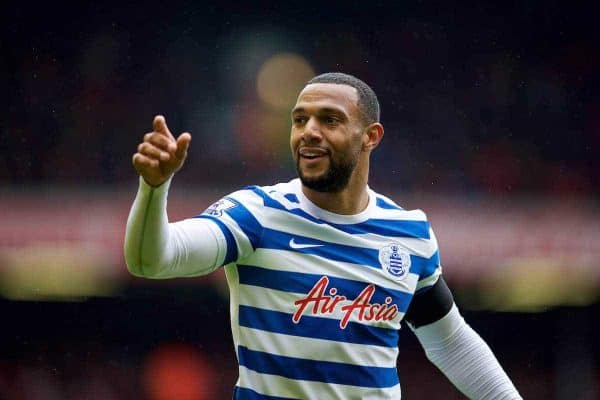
367, 99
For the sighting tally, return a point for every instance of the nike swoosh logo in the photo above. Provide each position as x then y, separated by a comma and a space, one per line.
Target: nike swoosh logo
295, 245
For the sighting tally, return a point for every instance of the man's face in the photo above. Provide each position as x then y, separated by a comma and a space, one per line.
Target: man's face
326, 136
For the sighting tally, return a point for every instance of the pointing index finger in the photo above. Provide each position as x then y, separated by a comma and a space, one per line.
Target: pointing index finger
160, 125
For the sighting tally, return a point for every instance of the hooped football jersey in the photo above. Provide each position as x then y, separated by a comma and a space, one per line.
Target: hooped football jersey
316, 297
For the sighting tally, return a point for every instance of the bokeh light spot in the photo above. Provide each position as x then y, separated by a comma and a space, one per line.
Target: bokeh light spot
281, 78
178, 371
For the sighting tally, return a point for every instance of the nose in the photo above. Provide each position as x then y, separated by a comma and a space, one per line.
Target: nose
312, 130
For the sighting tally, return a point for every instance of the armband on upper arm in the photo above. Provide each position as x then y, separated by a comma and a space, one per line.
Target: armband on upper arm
430, 305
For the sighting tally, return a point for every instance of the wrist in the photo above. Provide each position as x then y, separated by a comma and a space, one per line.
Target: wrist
155, 184
149, 187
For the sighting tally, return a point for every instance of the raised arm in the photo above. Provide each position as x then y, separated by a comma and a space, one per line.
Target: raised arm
155, 248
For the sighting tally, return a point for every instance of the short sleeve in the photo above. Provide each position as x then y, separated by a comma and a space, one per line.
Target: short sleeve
234, 214
432, 268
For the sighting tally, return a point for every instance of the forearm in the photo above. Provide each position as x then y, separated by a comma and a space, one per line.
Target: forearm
156, 249
460, 353
147, 230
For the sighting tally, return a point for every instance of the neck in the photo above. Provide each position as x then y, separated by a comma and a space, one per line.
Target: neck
351, 200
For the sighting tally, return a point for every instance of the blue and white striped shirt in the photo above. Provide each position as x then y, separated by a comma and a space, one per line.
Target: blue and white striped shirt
316, 297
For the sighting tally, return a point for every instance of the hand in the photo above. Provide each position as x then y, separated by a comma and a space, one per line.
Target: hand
160, 155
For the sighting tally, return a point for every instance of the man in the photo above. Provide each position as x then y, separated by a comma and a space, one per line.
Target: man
321, 269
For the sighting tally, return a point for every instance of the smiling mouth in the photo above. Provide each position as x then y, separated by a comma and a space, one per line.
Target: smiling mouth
311, 156
312, 153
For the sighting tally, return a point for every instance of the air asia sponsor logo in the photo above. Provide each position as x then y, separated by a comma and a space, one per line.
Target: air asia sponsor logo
361, 307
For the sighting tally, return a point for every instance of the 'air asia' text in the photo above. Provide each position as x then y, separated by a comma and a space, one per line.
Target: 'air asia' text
327, 303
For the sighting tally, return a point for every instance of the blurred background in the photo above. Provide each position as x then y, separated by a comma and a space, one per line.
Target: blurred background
492, 121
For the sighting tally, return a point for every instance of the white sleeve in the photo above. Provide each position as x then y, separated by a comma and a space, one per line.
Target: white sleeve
460, 353
155, 248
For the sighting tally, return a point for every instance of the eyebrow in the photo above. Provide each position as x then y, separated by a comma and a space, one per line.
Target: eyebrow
323, 110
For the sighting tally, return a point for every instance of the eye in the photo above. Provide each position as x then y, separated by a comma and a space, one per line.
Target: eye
299, 120
330, 120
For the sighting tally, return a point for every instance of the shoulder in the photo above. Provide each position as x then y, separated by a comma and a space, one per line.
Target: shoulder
280, 195
386, 208
407, 226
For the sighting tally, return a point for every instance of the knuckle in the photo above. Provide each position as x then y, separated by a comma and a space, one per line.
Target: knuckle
156, 140
146, 149
164, 142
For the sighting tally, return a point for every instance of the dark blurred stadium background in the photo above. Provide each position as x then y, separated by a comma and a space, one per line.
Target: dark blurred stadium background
492, 120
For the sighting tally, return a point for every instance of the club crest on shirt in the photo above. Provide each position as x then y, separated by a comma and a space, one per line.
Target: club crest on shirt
217, 208
394, 261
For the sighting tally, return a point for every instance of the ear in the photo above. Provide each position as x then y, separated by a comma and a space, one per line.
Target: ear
372, 135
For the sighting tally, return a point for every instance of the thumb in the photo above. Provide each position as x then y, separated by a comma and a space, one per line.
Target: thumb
183, 143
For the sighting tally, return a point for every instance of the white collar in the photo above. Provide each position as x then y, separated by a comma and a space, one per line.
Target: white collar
317, 212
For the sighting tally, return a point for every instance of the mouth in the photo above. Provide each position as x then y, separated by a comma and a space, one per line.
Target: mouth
312, 153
